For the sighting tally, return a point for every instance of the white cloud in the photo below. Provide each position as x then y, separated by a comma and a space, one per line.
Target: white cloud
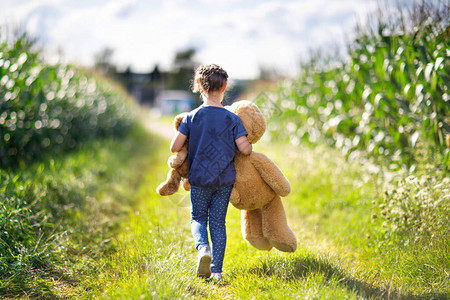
240, 35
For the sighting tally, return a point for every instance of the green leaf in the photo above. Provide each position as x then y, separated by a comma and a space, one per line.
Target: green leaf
414, 138
428, 70
438, 63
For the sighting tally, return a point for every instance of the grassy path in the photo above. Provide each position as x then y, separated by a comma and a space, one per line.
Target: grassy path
329, 210
156, 257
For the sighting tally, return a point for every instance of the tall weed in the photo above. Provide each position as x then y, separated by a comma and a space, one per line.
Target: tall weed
415, 210
386, 106
389, 99
57, 217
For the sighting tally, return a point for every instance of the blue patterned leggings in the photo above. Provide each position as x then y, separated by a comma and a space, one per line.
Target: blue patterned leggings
210, 204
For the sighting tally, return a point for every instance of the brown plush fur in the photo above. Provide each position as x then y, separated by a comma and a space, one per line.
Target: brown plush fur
258, 187
179, 168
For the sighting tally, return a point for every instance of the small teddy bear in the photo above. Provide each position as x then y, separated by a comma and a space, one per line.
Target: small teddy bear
257, 189
179, 167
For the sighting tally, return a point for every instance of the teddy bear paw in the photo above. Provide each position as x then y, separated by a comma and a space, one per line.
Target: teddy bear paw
284, 246
260, 243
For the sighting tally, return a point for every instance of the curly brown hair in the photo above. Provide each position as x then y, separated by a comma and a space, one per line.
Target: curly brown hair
209, 78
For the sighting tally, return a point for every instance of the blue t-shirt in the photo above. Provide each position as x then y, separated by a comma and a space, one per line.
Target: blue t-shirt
212, 132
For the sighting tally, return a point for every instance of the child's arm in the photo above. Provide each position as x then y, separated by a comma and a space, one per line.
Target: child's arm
243, 145
177, 142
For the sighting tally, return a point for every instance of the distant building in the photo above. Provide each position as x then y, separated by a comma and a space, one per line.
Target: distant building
169, 91
172, 102
145, 87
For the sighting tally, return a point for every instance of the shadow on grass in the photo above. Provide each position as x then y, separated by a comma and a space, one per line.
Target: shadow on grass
42, 284
302, 267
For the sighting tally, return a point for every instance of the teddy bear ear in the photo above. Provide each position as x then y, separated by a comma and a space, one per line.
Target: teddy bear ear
177, 120
251, 117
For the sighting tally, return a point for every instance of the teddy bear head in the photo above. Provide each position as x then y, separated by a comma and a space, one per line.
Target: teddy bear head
252, 118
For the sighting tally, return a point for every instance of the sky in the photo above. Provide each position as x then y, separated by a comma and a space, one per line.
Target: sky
241, 36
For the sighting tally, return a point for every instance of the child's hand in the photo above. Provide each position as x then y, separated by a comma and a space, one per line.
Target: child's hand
243, 145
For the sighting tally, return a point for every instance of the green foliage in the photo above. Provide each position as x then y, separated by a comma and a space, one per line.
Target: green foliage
411, 229
388, 104
54, 108
339, 201
150, 253
57, 217
329, 210
20, 225
390, 99
415, 210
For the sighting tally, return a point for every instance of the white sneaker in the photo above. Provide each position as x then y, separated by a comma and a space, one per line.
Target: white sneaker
216, 276
204, 262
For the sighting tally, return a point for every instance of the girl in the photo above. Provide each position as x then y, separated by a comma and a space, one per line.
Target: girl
214, 133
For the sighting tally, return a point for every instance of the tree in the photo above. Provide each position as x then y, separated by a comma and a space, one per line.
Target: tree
182, 70
103, 61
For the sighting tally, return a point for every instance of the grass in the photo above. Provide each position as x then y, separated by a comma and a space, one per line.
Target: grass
127, 242
335, 199
329, 210
89, 224
70, 209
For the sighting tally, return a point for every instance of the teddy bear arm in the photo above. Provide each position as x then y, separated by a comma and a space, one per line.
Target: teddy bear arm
186, 184
178, 158
271, 174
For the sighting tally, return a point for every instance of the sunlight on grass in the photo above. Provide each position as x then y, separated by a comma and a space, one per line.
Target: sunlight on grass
156, 256
329, 210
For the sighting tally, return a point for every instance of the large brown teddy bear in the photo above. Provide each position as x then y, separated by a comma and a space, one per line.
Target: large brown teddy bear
179, 167
258, 187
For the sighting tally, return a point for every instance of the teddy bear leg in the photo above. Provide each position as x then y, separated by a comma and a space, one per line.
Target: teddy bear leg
171, 185
275, 227
251, 223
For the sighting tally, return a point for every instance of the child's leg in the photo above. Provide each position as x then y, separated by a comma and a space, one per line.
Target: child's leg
200, 200
217, 215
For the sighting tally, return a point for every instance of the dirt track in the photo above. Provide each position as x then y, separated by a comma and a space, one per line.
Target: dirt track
162, 129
